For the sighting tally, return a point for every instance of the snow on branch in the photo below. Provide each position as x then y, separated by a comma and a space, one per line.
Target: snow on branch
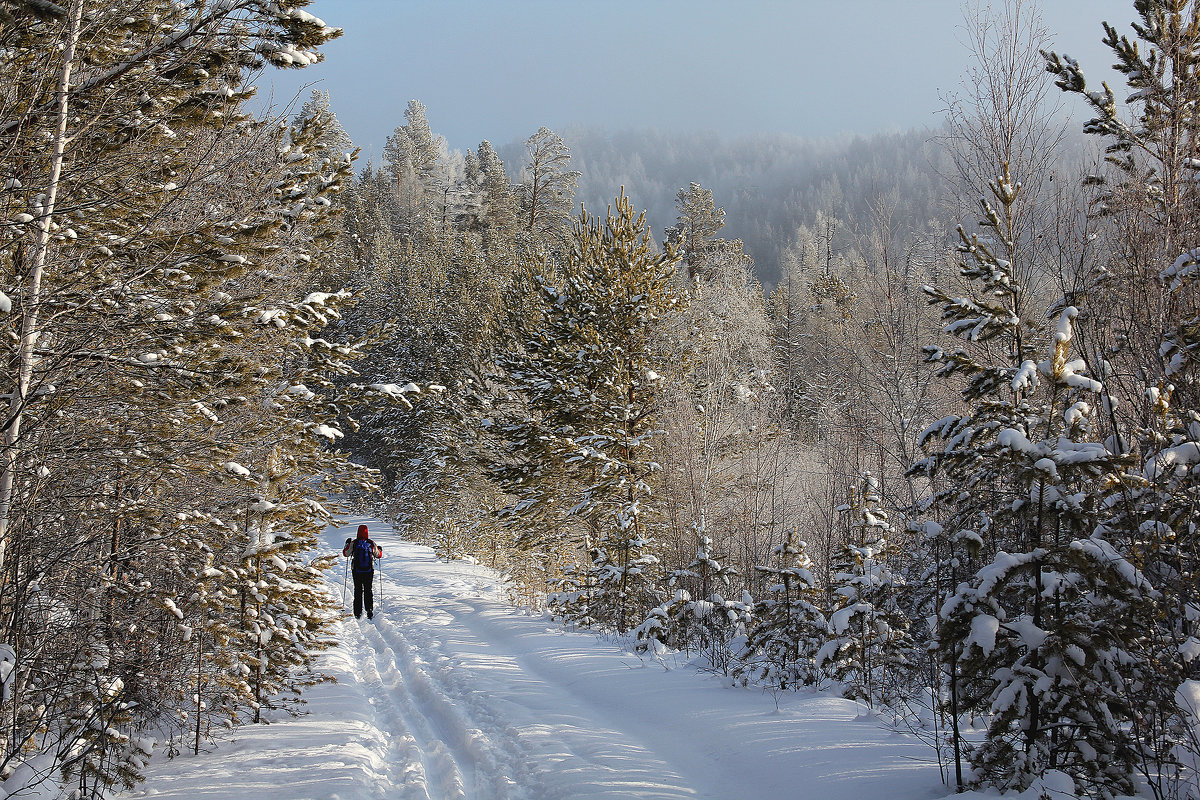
1184, 269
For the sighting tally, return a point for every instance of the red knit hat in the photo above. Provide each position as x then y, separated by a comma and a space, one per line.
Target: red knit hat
362, 531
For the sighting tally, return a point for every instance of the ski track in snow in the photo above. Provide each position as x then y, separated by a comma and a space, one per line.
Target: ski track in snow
450, 694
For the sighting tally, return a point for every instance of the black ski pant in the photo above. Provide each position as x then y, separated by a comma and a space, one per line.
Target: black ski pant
364, 594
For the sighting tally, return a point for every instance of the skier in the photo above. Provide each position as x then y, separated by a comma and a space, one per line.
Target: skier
362, 553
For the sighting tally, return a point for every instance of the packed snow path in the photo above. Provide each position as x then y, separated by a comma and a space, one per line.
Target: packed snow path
451, 693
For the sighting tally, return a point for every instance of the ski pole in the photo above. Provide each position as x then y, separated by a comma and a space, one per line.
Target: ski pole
345, 575
379, 565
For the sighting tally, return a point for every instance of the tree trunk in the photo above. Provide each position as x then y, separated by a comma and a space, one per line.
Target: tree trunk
199, 681
31, 296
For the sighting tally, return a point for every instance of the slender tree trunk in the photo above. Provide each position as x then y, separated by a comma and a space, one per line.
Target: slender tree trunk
114, 566
952, 670
258, 616
956, 739
199, 680
533, 199
258, 673
10, 437
31, 295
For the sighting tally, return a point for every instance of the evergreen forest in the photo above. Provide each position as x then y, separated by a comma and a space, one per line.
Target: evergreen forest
916, 420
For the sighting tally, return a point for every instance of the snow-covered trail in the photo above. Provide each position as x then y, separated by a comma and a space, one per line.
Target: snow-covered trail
451, 693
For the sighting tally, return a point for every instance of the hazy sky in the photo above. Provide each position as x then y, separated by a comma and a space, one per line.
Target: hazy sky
499, 69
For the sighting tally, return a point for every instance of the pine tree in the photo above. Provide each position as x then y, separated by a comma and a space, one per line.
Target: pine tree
334, 140
499, 203
168, 237
411, 156
1038, 634
412, 149
699, 615
1144, 337
698, 222
585, 383
788, 626
332, 148
869, 649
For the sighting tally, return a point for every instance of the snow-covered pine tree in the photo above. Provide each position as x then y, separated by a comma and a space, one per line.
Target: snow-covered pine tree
993, 323
1159, 518
1043, 625
787, 627
581, 424
333, 143
411, 157
869, 649
255, 650
467, 209
472, 177
1145, 338
499, 204
699, 614
161, 230
698, 222
1051, 626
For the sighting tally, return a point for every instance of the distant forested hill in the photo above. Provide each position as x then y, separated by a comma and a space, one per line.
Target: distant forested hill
768, 184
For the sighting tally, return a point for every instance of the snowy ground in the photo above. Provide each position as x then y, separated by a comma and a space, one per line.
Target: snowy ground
450, 693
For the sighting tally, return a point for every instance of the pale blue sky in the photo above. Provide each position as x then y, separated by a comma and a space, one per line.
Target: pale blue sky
499, 69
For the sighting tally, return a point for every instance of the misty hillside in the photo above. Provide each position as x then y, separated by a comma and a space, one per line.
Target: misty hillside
768, 184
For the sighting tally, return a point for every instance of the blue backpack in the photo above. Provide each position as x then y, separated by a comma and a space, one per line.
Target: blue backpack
362, 557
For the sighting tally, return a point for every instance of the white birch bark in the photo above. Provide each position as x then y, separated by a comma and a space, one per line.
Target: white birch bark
30, 295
